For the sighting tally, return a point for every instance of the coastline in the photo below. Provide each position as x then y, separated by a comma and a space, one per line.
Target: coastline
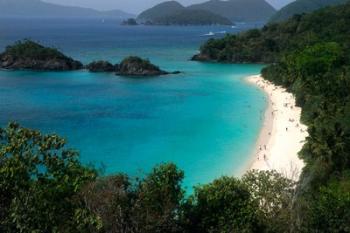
282, 135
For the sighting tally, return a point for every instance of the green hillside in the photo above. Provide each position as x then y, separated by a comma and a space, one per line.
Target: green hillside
173, 13
192, 17
161, 10
302, 6
213, 11
238, 10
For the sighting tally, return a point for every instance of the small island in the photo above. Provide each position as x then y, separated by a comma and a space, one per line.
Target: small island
101, 66
130, 66
130, 22
28, 54
135, 66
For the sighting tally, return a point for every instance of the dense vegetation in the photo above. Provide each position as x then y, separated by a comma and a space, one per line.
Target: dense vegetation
173, 13
136, 66
44, 188
28, 54
310, 57
32, 50
160, 10
229, 11
192, 17
238, 10
302, 6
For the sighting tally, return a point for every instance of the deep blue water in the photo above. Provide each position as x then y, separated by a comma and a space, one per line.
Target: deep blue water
206, 120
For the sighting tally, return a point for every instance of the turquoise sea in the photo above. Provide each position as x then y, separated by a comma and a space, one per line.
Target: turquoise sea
206, 120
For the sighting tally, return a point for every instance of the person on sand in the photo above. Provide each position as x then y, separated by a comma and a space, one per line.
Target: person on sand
286, 128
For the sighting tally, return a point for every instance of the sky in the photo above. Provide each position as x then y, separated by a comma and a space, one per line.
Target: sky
136, 6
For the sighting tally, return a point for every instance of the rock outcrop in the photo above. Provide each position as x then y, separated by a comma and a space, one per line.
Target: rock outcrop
101, 66
135, 66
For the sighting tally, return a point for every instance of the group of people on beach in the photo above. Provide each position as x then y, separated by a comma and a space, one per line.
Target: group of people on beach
288, 104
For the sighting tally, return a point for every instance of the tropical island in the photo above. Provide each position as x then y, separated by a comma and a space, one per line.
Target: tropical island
130, 22
130, 66
30, 55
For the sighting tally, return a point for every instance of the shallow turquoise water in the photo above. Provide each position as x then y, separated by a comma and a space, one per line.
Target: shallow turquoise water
206, 120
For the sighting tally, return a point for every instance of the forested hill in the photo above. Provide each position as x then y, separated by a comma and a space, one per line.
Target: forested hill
192, 17
303, 6
238, 10
173, 13
231, 10
310, 56
161, 10
266, 45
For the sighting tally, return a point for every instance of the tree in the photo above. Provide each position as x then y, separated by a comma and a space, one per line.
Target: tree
224, 206
330, 211
274, 195
159, 199
39, 184
151, 204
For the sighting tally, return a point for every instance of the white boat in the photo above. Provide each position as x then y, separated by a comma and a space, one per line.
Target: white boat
210, 34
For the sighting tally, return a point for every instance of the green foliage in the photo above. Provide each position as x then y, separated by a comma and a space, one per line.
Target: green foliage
275, 40
28, 49
330, 211
274, 195
151, 204
318, 59
39, 184
159, 197
137, 63
161, 10
44, 188
238, 10
226, 205
302, 7
173, 13
192, 17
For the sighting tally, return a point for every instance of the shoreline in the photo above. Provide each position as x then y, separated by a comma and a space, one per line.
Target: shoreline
282, 135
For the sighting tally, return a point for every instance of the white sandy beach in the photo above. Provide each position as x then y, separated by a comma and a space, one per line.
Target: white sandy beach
282, 135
